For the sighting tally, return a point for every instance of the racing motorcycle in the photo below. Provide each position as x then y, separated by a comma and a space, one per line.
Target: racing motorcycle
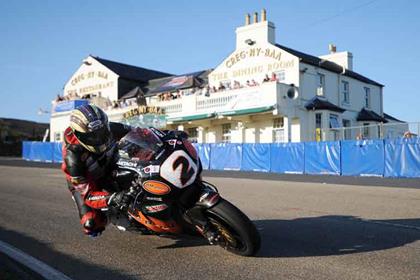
162, 171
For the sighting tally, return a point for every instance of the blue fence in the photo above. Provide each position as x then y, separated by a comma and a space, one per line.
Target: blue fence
388, 158
42, 151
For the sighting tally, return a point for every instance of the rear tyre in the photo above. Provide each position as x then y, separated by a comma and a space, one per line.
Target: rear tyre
237, 233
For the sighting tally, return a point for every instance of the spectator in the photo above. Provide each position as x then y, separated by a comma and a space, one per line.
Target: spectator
221, 86
59, 98
248, 84
266, 79
273, 77
236, 85
408, 134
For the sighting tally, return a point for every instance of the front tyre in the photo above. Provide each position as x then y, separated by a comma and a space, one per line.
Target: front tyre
237, 233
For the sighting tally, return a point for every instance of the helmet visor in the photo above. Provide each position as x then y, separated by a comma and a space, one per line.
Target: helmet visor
94, 138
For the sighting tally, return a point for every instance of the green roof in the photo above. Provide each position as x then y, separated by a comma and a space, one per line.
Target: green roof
247, 111
227, 113
192, 118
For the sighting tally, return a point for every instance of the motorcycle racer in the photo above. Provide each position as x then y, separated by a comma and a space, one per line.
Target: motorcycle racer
89, 157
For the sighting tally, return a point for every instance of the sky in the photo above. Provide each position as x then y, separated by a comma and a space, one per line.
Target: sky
42, 43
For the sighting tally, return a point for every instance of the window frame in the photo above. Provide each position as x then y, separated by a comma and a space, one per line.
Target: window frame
193, 137
336, 118
278, 130
320, 87
345, 92
226, 133
367, 99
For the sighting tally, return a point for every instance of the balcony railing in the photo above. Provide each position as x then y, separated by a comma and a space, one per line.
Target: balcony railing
265, 95
222, 101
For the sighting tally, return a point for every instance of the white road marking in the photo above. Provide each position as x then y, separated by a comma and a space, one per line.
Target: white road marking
33, 264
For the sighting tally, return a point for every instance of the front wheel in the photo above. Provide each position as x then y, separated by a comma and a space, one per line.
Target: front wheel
237, 233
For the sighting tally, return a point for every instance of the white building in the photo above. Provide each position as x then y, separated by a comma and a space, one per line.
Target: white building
304, 97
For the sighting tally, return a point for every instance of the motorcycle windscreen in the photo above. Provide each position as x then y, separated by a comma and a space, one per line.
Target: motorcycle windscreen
140, 144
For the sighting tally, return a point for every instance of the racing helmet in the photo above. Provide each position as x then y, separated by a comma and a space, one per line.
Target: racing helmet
90, 126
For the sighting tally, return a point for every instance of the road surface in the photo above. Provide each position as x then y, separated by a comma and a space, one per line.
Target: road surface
309, 231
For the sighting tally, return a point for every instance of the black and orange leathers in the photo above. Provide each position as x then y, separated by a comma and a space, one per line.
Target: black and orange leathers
89, 177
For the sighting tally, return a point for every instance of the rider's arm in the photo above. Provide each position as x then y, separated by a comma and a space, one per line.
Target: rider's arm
76, 174
119, 130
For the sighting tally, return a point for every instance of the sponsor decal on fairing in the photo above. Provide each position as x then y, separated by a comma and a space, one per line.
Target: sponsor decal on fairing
151, 169
156, 187
156, 208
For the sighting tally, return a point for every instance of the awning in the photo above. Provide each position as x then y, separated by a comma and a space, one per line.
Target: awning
318, 103
184, 81
247, 111
133, 93
191, 118
368, 115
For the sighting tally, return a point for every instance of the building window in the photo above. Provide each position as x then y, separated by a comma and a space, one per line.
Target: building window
57, 137
278, 130
318, 126
320, 84
226, 132
281, 75
367, 97
278, 123
366, 131
346, 92
193, 134
347, 130
334, 123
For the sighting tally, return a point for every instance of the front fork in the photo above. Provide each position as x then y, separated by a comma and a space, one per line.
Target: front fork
209, 197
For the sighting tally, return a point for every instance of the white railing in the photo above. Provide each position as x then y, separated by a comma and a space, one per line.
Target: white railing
372, 131
243, 98
267, 94
204, 103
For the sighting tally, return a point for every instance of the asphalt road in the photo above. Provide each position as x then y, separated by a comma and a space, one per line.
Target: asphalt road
309, 231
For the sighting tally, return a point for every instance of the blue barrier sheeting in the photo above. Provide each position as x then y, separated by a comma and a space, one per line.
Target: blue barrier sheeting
204, 154
57, 152
362, 158
402, 158
287, 158
41, 151
256, 157
226, 156
390, 158
26, 146
322, 158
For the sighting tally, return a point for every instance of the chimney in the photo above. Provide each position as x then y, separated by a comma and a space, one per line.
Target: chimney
247, 19
255, 32
255, 17
332, 48
263, 15
345, 58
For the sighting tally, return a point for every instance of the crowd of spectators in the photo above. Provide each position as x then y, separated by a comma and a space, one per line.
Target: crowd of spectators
207, 90
70, 96
102, 102
107, 104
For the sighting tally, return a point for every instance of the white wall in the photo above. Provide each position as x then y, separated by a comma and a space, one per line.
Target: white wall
58, 123
254, 62
93, 79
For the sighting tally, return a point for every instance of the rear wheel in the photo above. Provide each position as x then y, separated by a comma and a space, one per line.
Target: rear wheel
237, 233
